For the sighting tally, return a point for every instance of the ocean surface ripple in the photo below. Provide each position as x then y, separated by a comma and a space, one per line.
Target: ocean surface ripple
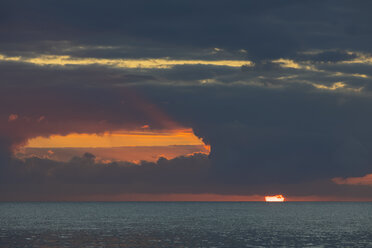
186, 224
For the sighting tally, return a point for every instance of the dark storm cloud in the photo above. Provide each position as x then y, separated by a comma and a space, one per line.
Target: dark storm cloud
26, 75
266, 29
327, 56
43, 179
184, 171
285, 135
209, 30
179, 175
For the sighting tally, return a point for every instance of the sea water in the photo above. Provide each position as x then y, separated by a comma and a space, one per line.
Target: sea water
186, 224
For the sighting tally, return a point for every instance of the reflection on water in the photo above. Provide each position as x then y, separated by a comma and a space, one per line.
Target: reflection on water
185, 224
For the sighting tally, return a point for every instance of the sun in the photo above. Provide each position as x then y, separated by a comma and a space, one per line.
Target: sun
274, 198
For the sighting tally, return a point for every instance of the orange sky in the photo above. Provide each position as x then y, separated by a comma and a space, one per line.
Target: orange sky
118, 139
121, 145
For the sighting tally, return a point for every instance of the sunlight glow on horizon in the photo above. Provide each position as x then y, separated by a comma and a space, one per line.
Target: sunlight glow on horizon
274, 198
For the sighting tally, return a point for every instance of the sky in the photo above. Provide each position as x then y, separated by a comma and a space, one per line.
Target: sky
185, 100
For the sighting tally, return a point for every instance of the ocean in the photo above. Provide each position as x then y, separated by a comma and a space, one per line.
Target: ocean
186, 224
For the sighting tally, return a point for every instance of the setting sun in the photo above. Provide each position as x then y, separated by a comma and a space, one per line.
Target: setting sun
275, 198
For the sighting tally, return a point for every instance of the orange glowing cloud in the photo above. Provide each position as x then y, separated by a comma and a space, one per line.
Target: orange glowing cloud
365, 180
12, 117
274, 198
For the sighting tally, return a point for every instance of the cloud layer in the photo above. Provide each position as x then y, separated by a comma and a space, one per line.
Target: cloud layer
283, 97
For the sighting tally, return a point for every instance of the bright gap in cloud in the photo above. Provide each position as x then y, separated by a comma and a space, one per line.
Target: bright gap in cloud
116, 146
118, 139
